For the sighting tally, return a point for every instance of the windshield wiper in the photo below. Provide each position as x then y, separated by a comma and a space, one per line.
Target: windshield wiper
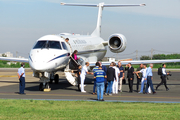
43, 45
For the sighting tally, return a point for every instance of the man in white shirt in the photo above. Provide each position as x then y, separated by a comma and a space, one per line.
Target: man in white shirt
115, 83
21, 76
143, 71
163, 77
84, 71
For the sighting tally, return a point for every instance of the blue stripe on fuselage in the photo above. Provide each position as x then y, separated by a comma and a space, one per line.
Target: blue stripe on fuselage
30, 58
63, 55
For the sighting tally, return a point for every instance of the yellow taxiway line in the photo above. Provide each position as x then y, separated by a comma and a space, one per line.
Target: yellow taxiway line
15, 75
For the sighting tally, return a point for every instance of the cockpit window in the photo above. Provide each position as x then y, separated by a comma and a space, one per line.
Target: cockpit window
64, 45
40, 44
47, 44
54, 44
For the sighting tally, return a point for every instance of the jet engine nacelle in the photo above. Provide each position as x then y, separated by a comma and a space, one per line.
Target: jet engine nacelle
117, 43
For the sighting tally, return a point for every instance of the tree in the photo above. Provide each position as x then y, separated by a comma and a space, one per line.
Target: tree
144, 57
4, 55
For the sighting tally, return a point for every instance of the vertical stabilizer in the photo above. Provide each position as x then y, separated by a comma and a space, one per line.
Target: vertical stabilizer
97, 31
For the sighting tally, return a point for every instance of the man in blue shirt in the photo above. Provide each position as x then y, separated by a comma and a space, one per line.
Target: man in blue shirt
94, 70
148, 77
21, 76
99, 75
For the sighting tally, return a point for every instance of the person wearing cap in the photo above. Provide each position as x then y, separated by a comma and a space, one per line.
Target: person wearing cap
21, 76
105, 79
94, 70
99, 76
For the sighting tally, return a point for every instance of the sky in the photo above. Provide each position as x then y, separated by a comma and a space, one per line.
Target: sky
155, 26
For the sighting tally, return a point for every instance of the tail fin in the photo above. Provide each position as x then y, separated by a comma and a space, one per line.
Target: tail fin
97, 31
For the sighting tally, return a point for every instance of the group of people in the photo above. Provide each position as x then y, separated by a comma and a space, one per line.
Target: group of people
105, 79
144, 75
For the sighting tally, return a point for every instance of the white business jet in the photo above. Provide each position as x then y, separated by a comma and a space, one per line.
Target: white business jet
51, 53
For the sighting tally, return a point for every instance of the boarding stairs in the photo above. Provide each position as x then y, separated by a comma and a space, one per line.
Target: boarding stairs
70, 75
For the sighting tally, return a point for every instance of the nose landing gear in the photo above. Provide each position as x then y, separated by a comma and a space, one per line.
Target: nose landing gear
43, 86
46, 81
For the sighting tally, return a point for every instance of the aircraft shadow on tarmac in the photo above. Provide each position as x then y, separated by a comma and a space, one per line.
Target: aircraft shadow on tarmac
63, 84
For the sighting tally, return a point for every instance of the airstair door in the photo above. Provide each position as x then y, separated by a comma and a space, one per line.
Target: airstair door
71, 76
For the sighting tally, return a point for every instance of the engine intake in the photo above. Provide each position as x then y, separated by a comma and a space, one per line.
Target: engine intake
117, 43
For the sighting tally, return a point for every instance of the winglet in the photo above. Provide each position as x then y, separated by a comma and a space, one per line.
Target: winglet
62, 3
142, 4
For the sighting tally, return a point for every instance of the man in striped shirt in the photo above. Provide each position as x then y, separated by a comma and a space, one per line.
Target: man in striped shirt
94, 70
99, 75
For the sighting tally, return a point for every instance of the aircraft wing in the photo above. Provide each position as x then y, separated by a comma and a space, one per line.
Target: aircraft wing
24, 60
139, 62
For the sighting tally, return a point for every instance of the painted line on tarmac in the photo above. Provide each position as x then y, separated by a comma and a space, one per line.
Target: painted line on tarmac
15, 75
65, 95
121, 101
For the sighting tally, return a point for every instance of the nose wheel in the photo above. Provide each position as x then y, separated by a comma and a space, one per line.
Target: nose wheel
42, 86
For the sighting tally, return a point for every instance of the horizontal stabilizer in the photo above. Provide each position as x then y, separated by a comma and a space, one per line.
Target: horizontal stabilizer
104, 5
75, 4
116, 5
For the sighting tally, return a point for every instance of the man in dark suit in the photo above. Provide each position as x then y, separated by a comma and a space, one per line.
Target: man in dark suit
110, 78
130, 76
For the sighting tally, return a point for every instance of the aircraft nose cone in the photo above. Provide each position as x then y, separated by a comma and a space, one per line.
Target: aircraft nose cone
38, 66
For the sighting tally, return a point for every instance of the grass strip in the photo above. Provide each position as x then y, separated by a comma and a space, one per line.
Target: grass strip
80, 110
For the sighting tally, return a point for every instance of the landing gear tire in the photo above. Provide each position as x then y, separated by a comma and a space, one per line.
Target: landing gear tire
56, 78
51, 81
41, 87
